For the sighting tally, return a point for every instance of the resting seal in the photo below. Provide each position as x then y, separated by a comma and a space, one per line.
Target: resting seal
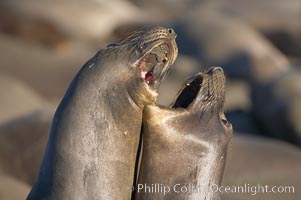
93, 142
20, 156
187, 145
259, 161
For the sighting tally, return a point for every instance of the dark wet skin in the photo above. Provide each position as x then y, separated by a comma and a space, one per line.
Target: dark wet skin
187, 143
91, 151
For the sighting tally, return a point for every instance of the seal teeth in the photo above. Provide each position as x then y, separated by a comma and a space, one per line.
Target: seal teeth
149, 77
153, 65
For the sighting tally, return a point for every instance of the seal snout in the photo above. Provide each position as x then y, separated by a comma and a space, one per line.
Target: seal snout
215, 81
215, 70
158, 52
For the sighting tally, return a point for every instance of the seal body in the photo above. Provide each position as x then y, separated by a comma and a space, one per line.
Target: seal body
184, 148
92, 147
20, 156
271, 161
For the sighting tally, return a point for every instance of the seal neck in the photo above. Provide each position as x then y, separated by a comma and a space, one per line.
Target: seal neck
94, 118
209, 175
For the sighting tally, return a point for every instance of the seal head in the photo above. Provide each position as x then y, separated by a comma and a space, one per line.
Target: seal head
186, 145
150, 51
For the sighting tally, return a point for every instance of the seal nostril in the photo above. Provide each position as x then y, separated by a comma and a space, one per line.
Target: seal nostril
218, 69
210, 70
213, 69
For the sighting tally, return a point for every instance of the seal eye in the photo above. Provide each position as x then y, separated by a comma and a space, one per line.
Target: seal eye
226, 122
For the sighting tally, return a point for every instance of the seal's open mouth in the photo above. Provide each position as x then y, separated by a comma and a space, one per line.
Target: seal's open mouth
207, 87
154, 64
204, 91
188, 93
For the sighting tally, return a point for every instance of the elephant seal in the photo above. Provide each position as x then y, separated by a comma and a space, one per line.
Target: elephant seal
276, 104
185, 147
259, 162
248, 55
12, 188
20, 156
91, 151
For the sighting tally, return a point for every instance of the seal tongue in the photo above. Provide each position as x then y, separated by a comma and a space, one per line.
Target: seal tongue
153, 65
149, 77
151, 69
